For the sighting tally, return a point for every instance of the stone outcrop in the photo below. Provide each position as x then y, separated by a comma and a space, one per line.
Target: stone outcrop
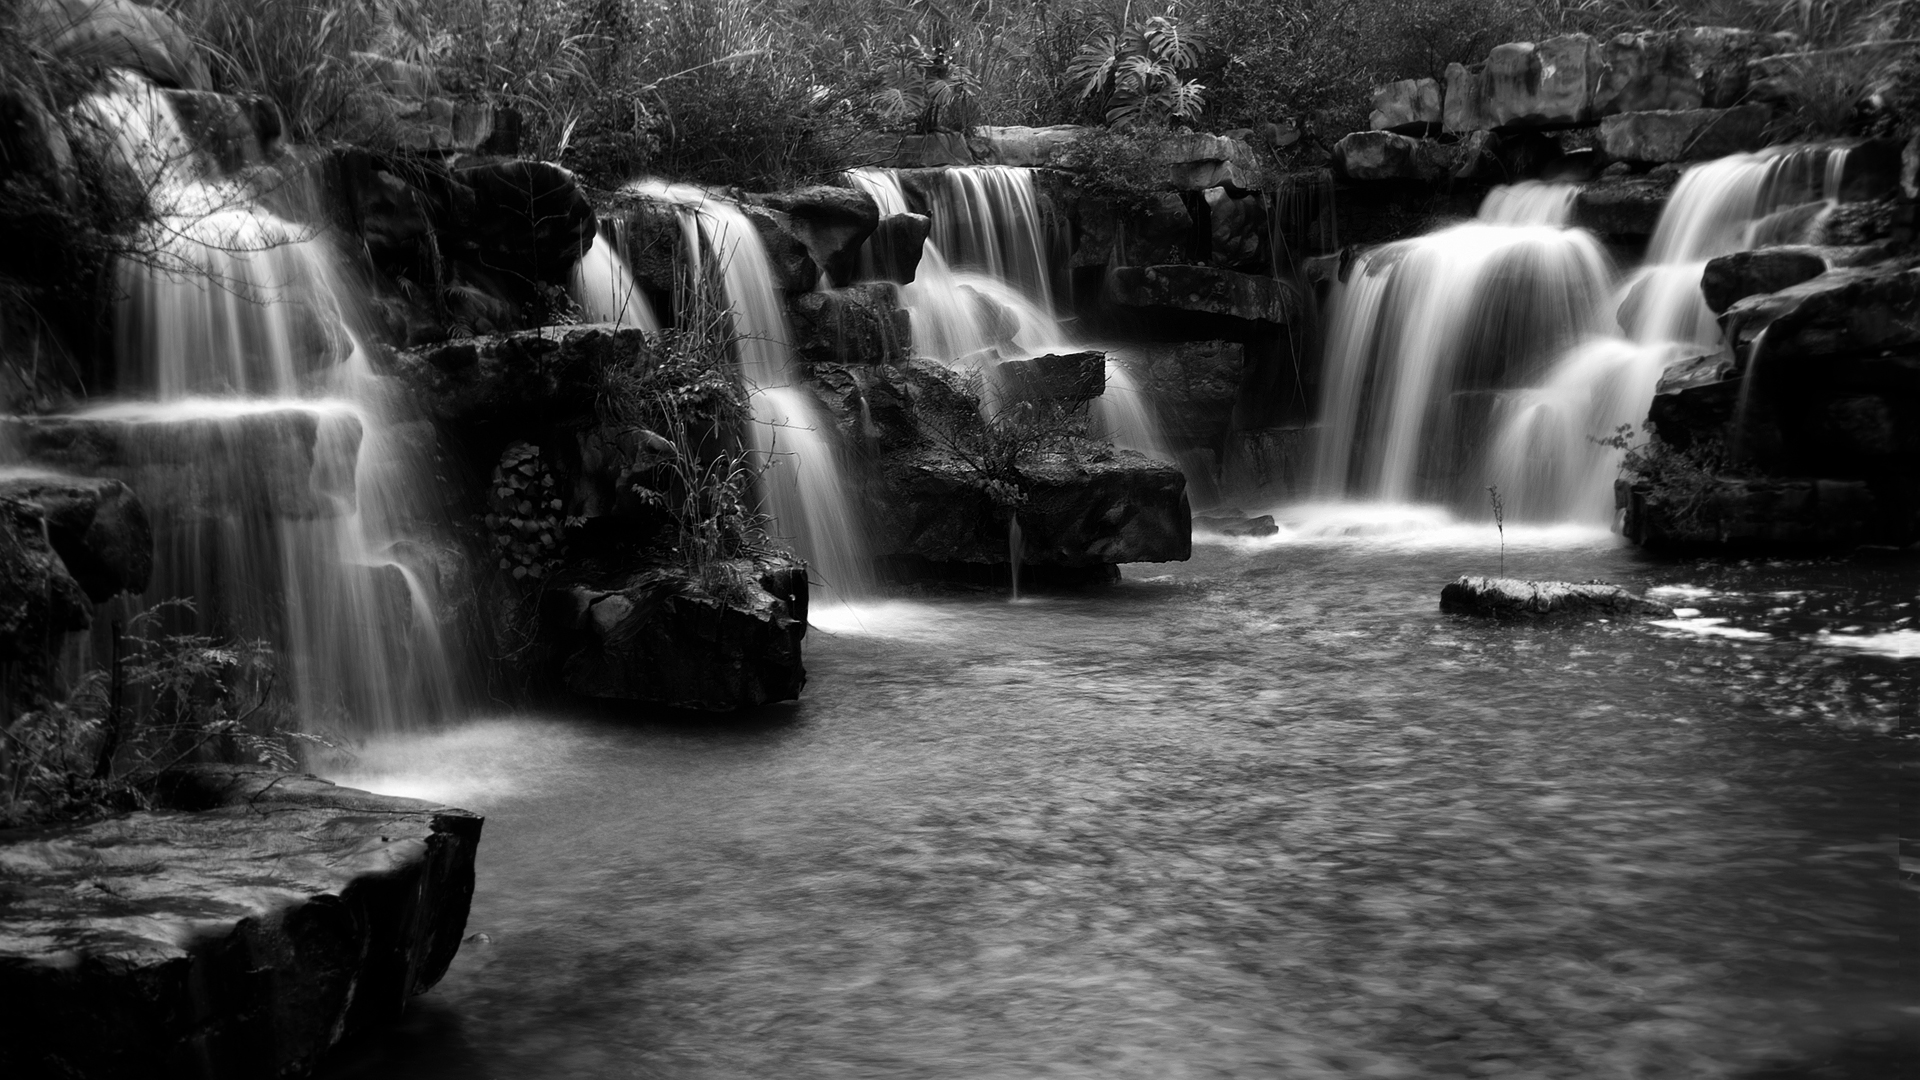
1196, 161
1730, 278
519, 378
240, 930
1071, 378
97, 526
1684, 134
1203, 290
1384, 155
832, 222
1408, 106
1029, 147
857, 324
722, 639
1626, 207
117, 34
896, 246
1235, 523
281, 461
40, 603
1744, 514
1524, 84
1512, 598
233, 132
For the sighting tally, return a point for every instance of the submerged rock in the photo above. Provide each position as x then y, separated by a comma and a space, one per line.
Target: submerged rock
1512, 598
1235, 523
240, 931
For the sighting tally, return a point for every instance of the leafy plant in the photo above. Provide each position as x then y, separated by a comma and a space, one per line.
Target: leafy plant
921, 82
1681, 480
1138, 72
524, 514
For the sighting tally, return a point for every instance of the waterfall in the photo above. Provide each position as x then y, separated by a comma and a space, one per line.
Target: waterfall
604, 287
803, 482
282, 500
988, 218
1497, 352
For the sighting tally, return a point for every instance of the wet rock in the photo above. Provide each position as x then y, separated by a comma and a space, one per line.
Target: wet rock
196, 466
896, 246
1069, 378
117, 34
1235, 523
1407, 107
1511, 598
528, 220
1195, 162
234, 132
1764, 270
1030, 147
859, 324
1855, 311
793, 266
1277, 460
1684, 134
240, 930
1077, 512
832, 222
1858, 223
1525, 84
1203, 290
1192, 385
1238, 228
97, 526
514, 379
1910, 168
1383, 155
1760, 515
1698, 67
1622, 207
723, 639
40, 603
1695, 400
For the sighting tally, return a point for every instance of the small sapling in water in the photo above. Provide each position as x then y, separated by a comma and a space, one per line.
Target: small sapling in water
1500, 523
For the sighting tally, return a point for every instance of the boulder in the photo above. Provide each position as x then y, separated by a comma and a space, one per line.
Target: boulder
1203, 290
1409, 107
1622, 207
833, 223
241, 929
1759, 514
1383, 155
1195, 162
858, 324
97, 526
526, 220
1699, 67
793, 266
117, 34
1238, 228
723, 639
279, 460
1848, 312
1077, 513
443, 125
398, 78
1068, 378
895, 248
1511, 598
518, 378
1524, 84
1029, 147
1192, 384
40, 603
1684, 134
1763, 270
1695, 400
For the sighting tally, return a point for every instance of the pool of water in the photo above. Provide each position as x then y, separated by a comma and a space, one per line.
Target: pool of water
1263, 814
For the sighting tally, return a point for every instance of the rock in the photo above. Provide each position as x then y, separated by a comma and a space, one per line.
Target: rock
1848, 312
1235, 523
1857, 223
1870, 171
793, 265
896, 246
279, 460
858, 324
1524, 84
724, 640
1029, 147
443, 125
1623, 207
1407, 107
1685, 135
1069, 378
1275, 461
1192, 384
518, 378
833, 222
1695, 400
1511, 598
40, 603
242, 929
1195, 162
1763, 270
1383, 155
1758, 515
925, 151
1700, 67
98, 528
528, 220
117, 34
1238, 228
1204, 290
1910, 168
1077, 513
34, 145
233, 132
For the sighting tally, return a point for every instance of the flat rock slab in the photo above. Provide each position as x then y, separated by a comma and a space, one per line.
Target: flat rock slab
239, 933
1511, 598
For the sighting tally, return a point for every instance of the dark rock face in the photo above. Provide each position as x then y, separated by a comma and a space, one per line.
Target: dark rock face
1524, 84
1383, 155
1625, 207
1511, 598
528, 219
832, 222
860, 324
896, 246
280, 468
40, 602
1764, 270
1699, 67
98, 527
1684, 134
727, 641
118, 33
523, 377
234, 132
1078, 513
1071, 378
1203, 290
1765, 515
793, 266
1194, 384
243, 939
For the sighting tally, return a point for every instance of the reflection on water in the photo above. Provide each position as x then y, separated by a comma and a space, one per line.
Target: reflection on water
1267, 814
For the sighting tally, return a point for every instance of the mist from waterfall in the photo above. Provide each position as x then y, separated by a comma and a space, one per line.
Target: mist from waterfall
244, 379
803, 480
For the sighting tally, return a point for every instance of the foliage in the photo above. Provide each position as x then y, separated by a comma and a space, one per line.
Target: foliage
921, 82
308, 57
1138, 72
1117, 165
993, 449
170, 698
1680, 480
524, 514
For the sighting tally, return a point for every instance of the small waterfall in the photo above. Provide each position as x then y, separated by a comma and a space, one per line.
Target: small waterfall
804, 484
1427, 331
605, 290
988, 217
263, 445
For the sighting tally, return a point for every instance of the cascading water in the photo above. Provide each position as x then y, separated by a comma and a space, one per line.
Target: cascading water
263, 444
804, 482
604, 286
988, 217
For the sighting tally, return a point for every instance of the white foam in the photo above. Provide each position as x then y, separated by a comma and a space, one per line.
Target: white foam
1899, 644
1712, 628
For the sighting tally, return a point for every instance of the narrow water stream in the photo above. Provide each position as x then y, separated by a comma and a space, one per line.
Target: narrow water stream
1265, 814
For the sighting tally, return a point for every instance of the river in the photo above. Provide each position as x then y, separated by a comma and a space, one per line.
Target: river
1268, 813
